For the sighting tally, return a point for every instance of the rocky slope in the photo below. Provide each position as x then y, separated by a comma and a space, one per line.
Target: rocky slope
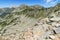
32, 29
31, 23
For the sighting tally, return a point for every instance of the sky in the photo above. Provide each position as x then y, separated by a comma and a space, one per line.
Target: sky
45, 3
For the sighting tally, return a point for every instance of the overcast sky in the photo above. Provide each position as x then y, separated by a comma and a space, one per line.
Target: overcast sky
45, 3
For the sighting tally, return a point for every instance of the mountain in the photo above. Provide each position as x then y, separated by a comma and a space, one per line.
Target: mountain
35, 11
33, 20
5, 11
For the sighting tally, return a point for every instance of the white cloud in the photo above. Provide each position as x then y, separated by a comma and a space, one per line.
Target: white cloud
48, 1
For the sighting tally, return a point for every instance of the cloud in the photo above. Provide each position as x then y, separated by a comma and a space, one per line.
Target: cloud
49, 1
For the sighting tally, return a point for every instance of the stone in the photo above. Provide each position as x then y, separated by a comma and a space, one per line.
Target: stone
52, 36
57, 30
55, 19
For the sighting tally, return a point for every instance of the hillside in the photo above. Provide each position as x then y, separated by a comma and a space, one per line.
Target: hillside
30, 23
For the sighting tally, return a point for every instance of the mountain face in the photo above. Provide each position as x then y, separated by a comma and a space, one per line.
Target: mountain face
35, 10
30, 23
5, 11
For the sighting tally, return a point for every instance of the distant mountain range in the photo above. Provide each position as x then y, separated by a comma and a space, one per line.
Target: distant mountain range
32, 9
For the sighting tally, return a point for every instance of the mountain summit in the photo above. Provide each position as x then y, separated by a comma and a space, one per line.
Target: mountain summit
30, 23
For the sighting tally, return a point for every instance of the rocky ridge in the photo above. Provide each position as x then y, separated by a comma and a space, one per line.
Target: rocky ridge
42, 29
30, 23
